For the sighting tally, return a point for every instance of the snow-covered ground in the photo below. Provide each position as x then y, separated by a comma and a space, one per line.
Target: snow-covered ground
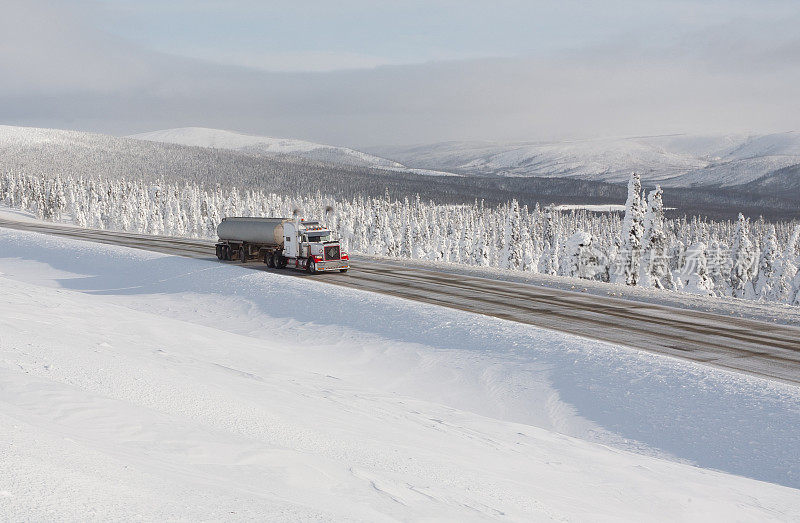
140, 385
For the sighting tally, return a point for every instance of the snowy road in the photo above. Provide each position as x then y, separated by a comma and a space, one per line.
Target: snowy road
755, 347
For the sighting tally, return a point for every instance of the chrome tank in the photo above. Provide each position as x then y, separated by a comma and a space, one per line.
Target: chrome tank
268, 231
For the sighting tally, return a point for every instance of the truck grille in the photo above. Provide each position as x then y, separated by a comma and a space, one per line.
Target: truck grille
332, 252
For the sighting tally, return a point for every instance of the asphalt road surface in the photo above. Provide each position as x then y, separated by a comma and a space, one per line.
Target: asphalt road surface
738, 344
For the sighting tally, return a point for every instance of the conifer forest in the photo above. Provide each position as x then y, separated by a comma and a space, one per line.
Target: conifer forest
744, 258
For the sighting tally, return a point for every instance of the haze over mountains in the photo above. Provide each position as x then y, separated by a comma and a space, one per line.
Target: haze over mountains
672, 161
270, 146
263, 145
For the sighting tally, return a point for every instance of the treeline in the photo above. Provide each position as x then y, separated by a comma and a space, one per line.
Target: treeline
746, 259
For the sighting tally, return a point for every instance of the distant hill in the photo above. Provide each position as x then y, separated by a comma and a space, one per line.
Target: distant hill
79, 154
264, 145
782, 181
269, 146
672, 161
76, 153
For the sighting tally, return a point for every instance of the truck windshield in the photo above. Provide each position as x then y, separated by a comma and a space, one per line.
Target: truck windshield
324, 237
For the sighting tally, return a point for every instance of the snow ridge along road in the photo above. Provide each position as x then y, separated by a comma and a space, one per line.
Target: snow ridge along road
744, 345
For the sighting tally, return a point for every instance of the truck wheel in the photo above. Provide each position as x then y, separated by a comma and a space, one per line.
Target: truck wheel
310, 266
269, 260
342, 270
280, 261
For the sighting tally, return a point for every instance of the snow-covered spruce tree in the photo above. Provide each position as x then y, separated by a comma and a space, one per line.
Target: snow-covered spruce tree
514, 249
717, 269
534, 239
792, 267
767, 265
795, 288
629, 255
388, 238
695, 275
529, 260
418, 251
482, 246
450, 239
435, 242
654, 270
376, 244
465, 243
548, 263
744, 261
781, 284
7, 186
406, 241
582, 259
58, 199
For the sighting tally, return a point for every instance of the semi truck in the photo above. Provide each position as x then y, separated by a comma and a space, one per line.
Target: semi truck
280, 243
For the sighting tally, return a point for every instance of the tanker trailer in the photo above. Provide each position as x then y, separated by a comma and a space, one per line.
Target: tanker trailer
281, 242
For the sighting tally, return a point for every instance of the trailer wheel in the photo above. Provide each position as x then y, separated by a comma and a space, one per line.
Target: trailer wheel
226, 252
243, 254
219, 251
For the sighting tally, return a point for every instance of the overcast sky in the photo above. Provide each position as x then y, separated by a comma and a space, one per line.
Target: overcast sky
364, 73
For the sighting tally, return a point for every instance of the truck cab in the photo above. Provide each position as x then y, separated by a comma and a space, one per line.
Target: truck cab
310, 245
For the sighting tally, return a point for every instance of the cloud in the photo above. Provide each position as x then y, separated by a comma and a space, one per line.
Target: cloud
295, 61
47, 47
57, 69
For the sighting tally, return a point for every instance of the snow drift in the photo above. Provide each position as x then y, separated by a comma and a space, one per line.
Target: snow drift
136, 384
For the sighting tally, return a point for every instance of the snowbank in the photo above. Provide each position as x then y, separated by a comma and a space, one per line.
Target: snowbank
135, 384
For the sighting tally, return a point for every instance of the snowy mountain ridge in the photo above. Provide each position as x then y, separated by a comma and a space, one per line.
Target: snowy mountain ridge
671, 160
264, 145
